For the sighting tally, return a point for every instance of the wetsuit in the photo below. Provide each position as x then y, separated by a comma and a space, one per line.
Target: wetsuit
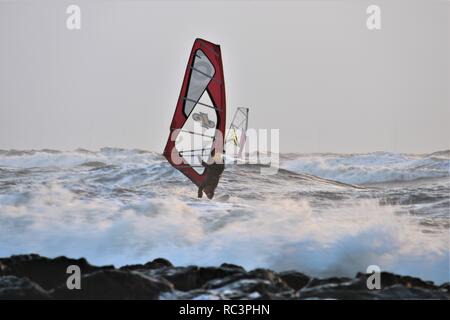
213, 172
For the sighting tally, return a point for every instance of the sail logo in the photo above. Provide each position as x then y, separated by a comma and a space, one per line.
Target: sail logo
204, 120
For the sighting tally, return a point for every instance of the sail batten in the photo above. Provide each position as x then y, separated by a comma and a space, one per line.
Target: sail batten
203, 104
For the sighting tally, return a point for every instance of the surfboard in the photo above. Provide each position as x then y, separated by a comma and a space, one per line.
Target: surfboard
198, 124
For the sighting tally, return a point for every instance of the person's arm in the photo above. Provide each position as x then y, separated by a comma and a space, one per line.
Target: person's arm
205, 164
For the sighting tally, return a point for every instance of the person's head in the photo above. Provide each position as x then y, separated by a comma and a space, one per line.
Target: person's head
209, 191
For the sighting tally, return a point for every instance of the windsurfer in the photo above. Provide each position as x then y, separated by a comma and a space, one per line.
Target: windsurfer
213, 172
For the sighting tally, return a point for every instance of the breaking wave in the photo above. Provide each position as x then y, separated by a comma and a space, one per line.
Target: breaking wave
121, 207
377, 167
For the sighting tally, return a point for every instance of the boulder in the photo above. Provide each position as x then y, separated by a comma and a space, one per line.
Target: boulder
191, 277
35, 277
14, 288
115, 284
256, 284
389, 279
157, 263
48, 273
294, 279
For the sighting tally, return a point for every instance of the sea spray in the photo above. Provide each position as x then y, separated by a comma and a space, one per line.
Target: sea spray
131, 207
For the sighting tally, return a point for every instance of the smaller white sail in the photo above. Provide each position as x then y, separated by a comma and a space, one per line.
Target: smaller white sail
237, 134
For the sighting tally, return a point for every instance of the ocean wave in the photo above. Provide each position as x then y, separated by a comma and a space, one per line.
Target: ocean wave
280, 234
79, 157
129, 206
378, 167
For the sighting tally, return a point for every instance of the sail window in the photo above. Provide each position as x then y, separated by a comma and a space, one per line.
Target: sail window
202, 71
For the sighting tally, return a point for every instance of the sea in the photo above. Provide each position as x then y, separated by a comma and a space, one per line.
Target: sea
321, 214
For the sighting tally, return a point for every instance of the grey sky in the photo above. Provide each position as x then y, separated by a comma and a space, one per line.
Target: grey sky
310, 68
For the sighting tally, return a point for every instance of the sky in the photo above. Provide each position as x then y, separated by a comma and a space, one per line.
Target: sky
311, 69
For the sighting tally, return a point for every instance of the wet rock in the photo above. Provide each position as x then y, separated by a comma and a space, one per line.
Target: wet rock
191, 277
116, 284
14, 288
48, 273
270, 276
197, 294
36, 277
295, 280
399, 291
395, 292
389, 279
257, 274
232, 266
445, 287
256, 284
392, 287
254, 289
344, 290
158, 263
328, 281
132, 267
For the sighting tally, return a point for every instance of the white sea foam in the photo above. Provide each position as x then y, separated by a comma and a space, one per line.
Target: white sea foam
43, 158
126, 206
279, 234
372, 167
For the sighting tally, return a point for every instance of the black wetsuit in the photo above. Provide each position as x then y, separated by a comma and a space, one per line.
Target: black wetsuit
213, 172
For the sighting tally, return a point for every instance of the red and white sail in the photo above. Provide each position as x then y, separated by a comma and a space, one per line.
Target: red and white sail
198, 124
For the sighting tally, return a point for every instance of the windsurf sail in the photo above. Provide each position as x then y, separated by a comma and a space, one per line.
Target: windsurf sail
198, 124
236, 136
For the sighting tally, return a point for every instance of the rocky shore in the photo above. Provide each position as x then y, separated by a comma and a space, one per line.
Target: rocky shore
36, 277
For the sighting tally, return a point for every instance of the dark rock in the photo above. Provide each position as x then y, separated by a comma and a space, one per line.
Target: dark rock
257, 274
270, 276
48, 273
115, 284
399, 291
132, 267
256, 284
254, 289
389, 279
445, 287
295, 280
232, 266
36, 277
221, 282
191, 277
335, 290
158, 263
356, 289
14, 288
327, 281
197, 294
